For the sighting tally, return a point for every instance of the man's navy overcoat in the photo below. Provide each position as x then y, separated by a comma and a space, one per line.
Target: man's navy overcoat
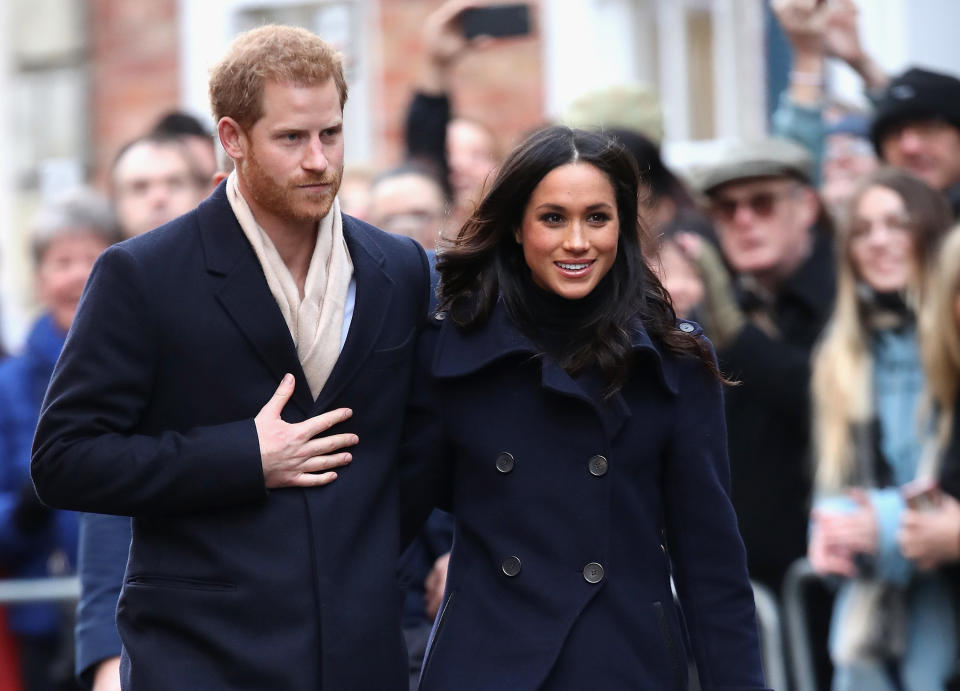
176, 346
565, 504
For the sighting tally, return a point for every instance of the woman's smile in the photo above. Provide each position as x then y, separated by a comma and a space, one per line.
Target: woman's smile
575, 269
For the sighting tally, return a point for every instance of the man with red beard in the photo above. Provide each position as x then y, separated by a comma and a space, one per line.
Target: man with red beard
265, 530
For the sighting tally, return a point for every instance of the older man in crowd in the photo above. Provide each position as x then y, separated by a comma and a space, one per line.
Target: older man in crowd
772, 233
67, 237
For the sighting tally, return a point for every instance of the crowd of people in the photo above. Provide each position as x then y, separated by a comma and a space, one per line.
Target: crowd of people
614, 391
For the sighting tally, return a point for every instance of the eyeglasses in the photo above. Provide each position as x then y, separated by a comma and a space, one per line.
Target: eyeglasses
761, 204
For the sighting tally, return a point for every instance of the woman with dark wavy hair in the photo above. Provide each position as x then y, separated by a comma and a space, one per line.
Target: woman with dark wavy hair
575, 429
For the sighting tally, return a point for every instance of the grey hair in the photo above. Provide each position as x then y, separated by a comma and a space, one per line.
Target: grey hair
80, 211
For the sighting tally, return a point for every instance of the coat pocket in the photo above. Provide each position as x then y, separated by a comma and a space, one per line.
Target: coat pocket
674, 651
435, 637
180, 583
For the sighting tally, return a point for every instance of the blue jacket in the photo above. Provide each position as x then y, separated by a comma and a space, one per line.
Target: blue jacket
559, 578
104, 546
23, 381
176, 346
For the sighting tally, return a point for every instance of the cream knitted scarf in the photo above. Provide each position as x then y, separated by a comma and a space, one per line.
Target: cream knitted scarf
315, 322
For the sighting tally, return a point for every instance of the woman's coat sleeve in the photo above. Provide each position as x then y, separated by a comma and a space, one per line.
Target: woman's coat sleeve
704, 543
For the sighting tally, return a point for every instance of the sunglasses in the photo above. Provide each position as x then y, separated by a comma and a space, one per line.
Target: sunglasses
761, 204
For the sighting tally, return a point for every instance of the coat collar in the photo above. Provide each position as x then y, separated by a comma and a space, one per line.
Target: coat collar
460, 353
244, 294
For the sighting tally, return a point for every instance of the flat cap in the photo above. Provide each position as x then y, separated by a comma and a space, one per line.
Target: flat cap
764, 158
633, 107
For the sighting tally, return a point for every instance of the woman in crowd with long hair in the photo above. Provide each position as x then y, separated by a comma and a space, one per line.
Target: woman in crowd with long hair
930, 532
940, 326
892, 627
576, 430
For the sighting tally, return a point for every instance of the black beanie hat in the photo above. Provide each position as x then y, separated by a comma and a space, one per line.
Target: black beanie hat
916, 94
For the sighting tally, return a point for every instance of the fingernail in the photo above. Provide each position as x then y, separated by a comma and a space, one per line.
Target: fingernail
347, 413
287, 379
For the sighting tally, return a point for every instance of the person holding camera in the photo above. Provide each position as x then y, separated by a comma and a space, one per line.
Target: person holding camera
462, 151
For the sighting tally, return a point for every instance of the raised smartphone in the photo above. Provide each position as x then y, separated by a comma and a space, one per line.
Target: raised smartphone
498, 21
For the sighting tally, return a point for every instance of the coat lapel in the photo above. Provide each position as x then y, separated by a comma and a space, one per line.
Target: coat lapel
613, 412
374, 290
244, 294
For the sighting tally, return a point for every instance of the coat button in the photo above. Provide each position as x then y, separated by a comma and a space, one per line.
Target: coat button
687, 327
510, 566
505, 462
593, 572
597, 466
440, 316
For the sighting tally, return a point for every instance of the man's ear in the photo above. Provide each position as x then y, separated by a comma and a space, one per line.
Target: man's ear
232, 138
518, 238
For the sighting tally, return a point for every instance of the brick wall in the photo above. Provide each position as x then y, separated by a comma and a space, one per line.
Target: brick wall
135, 62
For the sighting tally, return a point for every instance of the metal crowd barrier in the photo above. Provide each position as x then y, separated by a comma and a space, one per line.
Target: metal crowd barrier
18, 591
771, 639
799, 577
768, 617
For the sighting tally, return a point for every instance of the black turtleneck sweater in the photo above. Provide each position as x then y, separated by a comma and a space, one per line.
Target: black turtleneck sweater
558, 325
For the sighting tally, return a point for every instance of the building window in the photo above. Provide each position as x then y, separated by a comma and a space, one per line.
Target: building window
49, 80
704, 57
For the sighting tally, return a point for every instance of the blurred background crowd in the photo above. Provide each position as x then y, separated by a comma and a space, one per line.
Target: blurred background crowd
801, 175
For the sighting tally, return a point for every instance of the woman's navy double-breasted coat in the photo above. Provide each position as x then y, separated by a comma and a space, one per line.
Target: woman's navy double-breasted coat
572, 514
